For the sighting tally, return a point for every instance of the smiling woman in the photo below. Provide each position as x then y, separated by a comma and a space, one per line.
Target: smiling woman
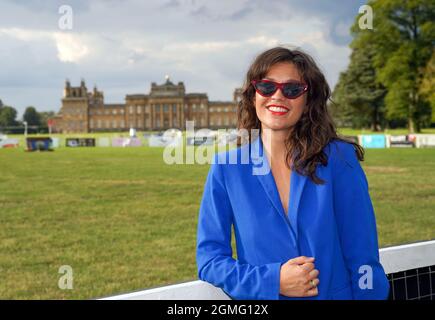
306, 228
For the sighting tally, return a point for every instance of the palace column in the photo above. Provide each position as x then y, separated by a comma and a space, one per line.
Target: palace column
170, 116
161, 116
152, 116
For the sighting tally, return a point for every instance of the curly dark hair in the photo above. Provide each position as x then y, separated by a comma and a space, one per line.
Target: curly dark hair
314, 130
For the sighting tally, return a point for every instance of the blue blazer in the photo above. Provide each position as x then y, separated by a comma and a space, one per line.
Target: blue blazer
333, 222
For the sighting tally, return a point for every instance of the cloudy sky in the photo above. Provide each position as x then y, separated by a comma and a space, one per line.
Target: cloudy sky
124, 45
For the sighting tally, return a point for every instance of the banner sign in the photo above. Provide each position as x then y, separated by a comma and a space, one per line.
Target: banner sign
103, 142
401, 141
373, 141
126, 142
39, 144
424, 140
80, 142
163, 141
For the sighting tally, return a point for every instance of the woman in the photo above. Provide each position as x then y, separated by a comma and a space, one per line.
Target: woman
304, 224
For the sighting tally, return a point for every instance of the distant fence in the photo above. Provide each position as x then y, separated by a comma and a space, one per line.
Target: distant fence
367, 141
31, 129
410, 270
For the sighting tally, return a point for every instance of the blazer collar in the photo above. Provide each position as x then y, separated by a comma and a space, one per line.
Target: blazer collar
267, 181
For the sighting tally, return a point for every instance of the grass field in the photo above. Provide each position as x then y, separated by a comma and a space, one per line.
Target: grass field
124, 220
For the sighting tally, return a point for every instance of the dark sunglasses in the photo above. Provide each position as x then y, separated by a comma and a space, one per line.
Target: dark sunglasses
290, 90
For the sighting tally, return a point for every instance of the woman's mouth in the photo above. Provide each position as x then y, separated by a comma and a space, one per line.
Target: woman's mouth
277, 110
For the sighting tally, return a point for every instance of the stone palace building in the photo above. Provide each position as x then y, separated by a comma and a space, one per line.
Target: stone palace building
166, 106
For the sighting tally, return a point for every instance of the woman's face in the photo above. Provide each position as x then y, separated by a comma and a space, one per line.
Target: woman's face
293, 108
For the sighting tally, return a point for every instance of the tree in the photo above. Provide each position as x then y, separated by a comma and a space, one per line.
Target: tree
391, 66
45, 115
31, 116
404, 40
342, 108
427, 88
359, 96
8, 116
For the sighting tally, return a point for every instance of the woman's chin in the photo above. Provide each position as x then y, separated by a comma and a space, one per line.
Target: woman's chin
276, 124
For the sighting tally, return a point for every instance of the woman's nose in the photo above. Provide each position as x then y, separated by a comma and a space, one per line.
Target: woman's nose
278, 95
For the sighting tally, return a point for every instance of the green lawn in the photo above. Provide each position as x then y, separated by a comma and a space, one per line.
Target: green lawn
124, 220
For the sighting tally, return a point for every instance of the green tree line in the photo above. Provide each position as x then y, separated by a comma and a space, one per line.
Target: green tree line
10, 124
389, 81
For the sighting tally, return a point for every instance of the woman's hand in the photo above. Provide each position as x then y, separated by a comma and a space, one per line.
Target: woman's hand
295, 278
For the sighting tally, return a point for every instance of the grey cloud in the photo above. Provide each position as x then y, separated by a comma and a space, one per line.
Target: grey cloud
333, 13
201, 12
38, 6
171, 4
241, 13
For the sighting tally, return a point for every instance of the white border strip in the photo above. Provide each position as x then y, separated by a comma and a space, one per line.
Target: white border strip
193, 290
393, 259
408, 256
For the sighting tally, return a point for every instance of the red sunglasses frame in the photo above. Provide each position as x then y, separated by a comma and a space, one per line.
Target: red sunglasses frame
280, 86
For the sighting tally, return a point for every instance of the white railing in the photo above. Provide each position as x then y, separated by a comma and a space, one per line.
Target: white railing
393, 259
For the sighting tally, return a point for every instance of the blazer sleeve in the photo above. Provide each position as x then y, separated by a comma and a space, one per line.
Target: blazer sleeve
214, 253
356, 225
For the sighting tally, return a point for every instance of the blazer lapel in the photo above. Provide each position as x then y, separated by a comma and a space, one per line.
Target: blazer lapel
264, 175
267, 181
297, 184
